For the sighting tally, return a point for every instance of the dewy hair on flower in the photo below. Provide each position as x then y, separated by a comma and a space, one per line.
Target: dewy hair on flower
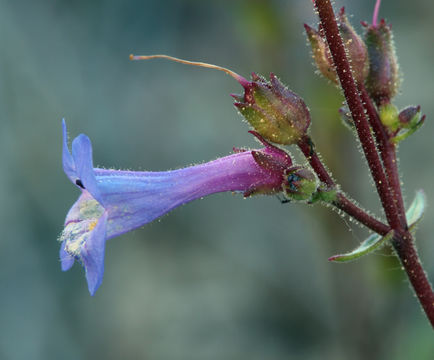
113, 202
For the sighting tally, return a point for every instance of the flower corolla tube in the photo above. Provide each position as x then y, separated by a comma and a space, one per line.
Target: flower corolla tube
113, 202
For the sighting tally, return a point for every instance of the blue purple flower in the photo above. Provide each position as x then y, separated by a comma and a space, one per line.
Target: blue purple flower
113, 202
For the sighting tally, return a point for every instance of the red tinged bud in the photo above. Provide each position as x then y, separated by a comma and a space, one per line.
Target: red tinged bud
410, 120
356, 48
409, 116
383, 79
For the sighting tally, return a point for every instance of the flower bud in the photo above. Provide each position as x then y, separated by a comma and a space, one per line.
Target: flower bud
389, 117
356, 50
401, 124
275, 112
383, 78
409, 121
321, 54
299, 184
409, 116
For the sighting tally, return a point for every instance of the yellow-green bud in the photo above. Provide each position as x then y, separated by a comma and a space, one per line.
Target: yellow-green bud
275, 112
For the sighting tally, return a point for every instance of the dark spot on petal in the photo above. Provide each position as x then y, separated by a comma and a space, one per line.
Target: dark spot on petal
79, 183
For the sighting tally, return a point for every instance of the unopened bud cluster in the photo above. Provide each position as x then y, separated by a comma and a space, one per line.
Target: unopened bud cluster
374, 66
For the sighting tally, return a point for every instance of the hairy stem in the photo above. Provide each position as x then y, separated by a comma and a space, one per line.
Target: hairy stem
387, 153
403, 241
406, 251
360, 215
337, 49
308, 149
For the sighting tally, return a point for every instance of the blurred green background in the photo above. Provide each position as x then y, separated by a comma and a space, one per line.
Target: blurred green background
222, 278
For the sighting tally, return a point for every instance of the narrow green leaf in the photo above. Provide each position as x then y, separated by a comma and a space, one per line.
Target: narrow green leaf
415, 211
413, 214
371, 244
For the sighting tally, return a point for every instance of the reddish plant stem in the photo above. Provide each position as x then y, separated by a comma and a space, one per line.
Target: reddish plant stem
387, 153
406, 252
403, 244
360, 215
395, 183
308, 149
403, 241
337, 49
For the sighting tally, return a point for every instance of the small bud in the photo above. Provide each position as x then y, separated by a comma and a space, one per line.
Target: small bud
356, 50
275, 112
409, 121
409, 116
299, 184
389, 117
321, 54
383, 78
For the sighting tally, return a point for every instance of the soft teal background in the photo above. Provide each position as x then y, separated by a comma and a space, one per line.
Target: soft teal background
222, 278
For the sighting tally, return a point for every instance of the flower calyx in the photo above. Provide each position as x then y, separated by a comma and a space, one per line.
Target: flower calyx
383, 79
299, 184
272, 160
275, 112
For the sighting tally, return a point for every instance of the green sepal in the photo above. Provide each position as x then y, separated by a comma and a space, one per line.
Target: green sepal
415, 212
406, 134
371, 244
327, 196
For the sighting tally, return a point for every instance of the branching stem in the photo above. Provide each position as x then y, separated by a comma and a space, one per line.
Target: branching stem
387, 153
388, 188
343, 203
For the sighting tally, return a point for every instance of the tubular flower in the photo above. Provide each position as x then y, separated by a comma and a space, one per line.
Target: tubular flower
113, 202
